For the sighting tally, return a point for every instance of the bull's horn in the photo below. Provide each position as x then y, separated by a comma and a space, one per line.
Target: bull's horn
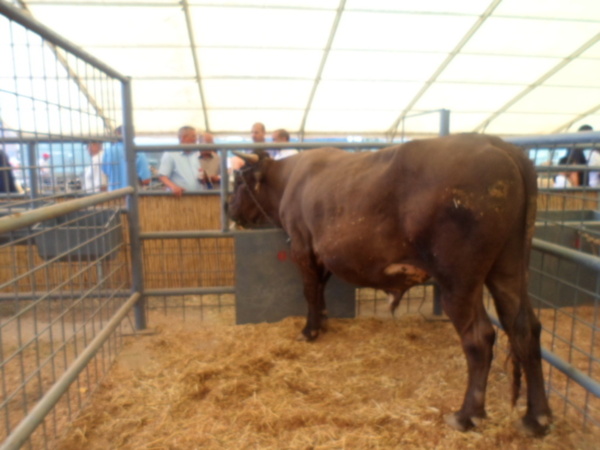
250, 158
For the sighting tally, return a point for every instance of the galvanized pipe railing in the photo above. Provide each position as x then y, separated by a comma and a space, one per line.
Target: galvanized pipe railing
585, 259
28, 218
576, 375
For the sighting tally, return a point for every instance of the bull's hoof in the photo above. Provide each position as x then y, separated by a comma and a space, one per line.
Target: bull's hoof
456, 421
308, 335
534, 427
301, 338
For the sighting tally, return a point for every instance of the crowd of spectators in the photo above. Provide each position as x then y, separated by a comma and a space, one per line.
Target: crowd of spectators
193, 170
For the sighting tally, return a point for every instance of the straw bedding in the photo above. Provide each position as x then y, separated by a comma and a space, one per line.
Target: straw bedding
367, 383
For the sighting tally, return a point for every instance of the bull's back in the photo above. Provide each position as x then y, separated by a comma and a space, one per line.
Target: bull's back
366, 182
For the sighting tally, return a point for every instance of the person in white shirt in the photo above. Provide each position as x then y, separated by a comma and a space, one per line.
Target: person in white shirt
210, 163
180, 171
94, 179
45, 173
282, 135
257, 132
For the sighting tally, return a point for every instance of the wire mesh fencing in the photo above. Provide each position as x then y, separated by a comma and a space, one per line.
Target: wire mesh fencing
61, 285
51, 126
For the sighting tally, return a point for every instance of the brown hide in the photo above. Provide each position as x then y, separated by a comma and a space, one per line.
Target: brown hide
460, 209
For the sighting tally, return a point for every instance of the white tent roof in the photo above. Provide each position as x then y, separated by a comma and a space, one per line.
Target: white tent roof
352, 66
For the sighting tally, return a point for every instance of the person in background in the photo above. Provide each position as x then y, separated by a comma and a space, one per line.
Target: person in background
210, 163
258, 132
574, 156
179, 171
94, 180
594, 161
114, 165
281, 135
7, 178
45, 172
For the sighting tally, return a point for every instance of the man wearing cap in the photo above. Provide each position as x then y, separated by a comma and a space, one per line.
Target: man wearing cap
45, 172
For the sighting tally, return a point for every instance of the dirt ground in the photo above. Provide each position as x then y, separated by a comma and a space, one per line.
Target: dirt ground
368, 383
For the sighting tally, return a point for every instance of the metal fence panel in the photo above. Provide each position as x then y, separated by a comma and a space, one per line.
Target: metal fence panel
65, 278
565, 274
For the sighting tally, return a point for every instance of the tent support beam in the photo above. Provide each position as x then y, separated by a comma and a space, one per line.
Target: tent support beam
466, 38
326, 51
188, 24
482, 126
565, 128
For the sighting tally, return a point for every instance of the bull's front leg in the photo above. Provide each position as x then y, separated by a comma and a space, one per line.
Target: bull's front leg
314, 278
312, 293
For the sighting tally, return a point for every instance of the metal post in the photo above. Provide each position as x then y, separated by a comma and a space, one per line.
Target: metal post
137, 268
224, 190
444, 131
34, 173
444, 122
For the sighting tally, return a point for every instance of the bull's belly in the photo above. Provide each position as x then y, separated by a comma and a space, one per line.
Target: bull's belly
396, 275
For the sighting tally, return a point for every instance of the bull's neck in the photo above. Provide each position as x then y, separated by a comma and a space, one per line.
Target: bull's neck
275, 182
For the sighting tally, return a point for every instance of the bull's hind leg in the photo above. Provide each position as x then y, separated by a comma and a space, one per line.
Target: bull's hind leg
465, 309
507, 284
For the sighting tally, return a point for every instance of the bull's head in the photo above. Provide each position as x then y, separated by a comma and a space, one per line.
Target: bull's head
248, 205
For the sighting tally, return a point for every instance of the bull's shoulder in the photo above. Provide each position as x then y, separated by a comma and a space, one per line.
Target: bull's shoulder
321, 159
323, 153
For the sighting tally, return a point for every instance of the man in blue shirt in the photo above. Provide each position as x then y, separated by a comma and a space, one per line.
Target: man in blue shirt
114, 165
179, 171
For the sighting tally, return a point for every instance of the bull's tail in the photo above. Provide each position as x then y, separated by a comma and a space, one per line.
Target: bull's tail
516, 379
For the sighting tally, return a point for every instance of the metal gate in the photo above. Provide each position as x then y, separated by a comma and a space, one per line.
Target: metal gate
66, 285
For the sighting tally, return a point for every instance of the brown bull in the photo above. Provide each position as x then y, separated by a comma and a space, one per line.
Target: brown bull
460, 209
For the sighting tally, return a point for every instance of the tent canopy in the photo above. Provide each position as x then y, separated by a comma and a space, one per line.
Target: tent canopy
353, 67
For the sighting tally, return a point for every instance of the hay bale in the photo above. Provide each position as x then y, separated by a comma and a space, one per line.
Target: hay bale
367, 383
189, 212
176, 263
